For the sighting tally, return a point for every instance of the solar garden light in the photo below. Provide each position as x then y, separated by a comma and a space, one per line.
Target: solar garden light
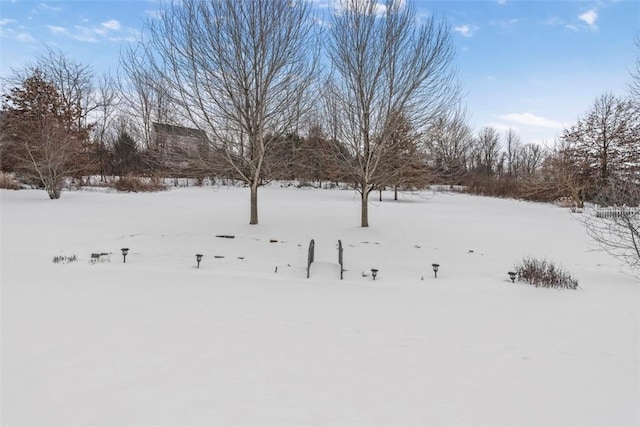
435, 269
124, 254
198, 259
374, 273
512, 275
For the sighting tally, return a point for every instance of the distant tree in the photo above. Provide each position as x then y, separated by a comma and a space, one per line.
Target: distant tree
315, 158
512, 146
279, 162
448, 142
42, 134
486, 151
384, 60
403, 164
125, 154
238, 69
562, 175
104, 130
607, 141
529, 158
144, 97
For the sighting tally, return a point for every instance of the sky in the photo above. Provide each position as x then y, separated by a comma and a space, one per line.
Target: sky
534, 66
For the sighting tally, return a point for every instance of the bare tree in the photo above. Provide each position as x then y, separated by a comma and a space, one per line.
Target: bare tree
529, 159
403, 163
73, 80
616, 228
237, 69
40, 132
384, 62
606, 139
144, 97
512, 146
105, 130
486, 151
448, 142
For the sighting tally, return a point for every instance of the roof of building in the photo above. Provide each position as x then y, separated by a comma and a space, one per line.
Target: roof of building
182, 131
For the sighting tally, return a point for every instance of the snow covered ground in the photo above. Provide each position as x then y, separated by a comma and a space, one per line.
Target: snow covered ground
155, 341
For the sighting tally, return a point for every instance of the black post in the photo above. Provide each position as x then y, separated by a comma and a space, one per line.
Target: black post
340, 258
310, 256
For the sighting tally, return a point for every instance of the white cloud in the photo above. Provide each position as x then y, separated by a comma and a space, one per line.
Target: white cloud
505, 24
589, 17
501, 127
530, 119
111, 24
57, 30
109, 30
12, 34
86, 34
25, 38
44, 6
465, 30
554, 21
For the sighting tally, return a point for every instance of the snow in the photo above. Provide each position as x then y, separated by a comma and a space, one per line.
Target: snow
156, 341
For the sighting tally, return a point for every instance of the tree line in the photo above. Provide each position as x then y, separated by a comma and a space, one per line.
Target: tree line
370, 99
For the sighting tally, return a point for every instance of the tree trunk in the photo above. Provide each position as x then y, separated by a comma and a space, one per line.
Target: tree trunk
54, 191
364, 221
395, 193
254, 204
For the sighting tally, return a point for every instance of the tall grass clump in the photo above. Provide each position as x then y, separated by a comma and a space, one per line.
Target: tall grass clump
8, 182
139, 185
544, 274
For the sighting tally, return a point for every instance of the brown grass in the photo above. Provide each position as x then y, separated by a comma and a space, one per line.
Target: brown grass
139, 185
8, 182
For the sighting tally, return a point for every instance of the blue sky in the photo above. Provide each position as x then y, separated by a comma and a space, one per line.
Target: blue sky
532, 65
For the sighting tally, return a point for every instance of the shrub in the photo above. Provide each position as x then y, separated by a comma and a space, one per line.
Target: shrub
8, 182
138, 185
545, 274
64, 259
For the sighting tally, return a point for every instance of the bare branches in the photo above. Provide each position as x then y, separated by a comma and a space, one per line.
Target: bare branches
238, 69
616, 228
384, 64
40, 134
606, 139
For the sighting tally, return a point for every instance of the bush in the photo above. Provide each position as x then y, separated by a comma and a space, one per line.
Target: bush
545, 274
64, 259
8, 182
138, 185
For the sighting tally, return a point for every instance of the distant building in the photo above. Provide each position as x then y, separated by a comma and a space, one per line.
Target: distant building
170, 139
180, 150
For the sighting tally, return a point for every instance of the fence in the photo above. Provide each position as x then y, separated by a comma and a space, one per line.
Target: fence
616, 212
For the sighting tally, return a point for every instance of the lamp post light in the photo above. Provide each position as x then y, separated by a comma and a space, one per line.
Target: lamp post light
435, 269
374, 273
512, 276
124, 254
198, 259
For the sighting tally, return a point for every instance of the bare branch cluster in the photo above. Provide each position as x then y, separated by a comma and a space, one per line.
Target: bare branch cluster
239, 70
384, 66
614, 223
